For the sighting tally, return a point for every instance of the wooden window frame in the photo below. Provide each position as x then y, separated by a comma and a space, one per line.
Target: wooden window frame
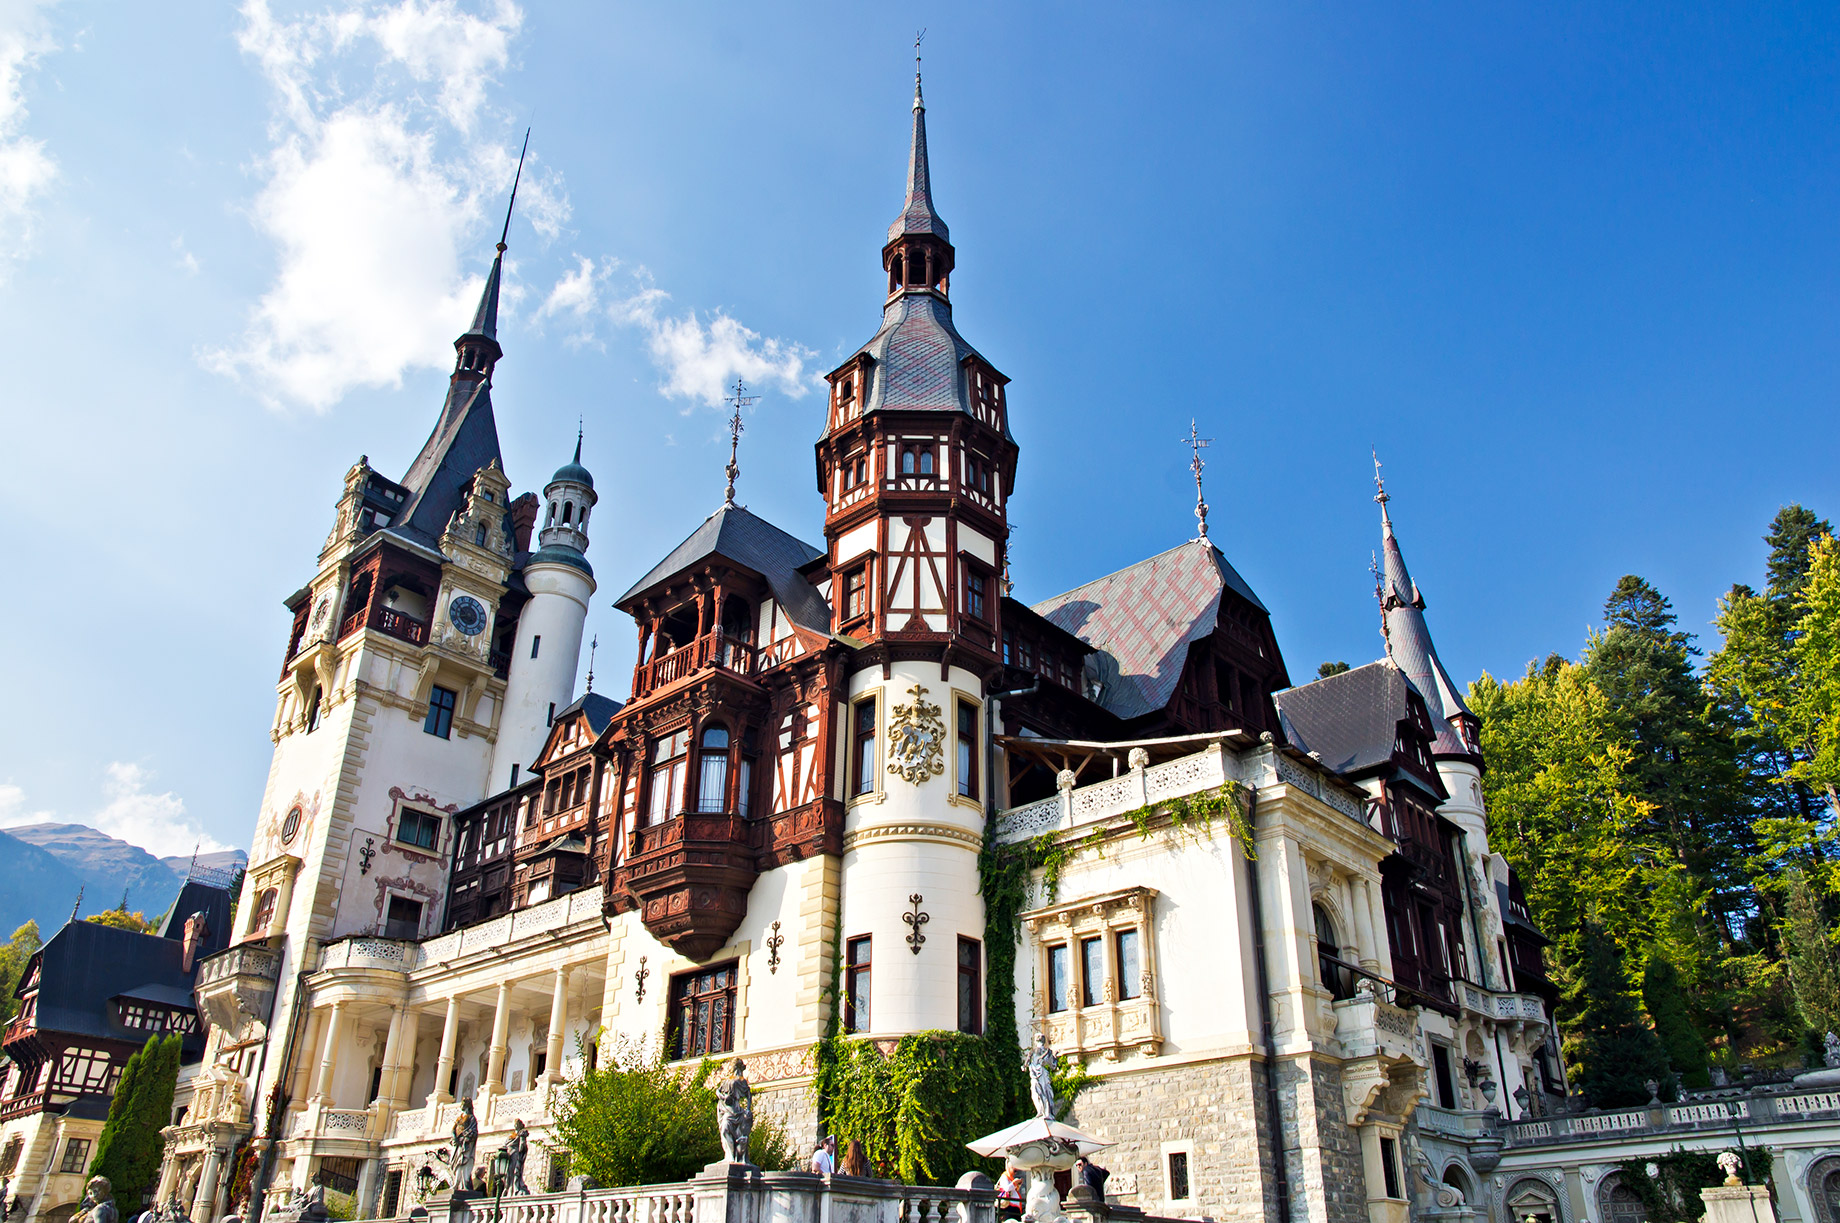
712, 1031
970, 986
865, 772
439, 721
433, 819
858, 984
966, 748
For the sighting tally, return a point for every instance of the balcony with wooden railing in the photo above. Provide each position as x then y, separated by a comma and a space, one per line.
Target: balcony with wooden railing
386, 620
712, 651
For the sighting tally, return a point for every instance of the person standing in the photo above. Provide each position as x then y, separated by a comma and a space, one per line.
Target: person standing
855, 1160
824, 1159
1009, 1193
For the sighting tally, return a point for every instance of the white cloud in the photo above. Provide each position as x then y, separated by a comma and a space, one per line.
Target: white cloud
575, 299
26, 169
155, 822
376, 197
700, 360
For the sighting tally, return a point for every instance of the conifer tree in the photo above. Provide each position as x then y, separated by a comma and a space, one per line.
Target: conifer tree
1814, 967
1619, 1052
1667, 1006
129, 1150
14, 957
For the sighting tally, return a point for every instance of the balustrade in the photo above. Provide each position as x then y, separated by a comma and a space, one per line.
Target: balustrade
712, 650
386, 620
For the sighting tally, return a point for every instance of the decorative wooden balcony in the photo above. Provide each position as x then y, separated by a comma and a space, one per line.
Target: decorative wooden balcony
689, 877
713, 650
386, 620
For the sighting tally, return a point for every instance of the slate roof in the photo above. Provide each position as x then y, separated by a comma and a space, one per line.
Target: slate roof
600, 710
745, 539
197, 897
1351, 720
918, 357
1408, 642
465, 438
84, 966
1143, 618
918, 216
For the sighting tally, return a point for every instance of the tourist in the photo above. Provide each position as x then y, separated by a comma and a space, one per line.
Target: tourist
1090, 1174
824, 1159
855, 1160
1009, 1194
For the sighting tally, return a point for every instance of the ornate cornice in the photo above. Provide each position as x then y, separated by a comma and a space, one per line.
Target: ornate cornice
948, 833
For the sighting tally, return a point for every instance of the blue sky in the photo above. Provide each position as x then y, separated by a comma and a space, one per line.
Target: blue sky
1571, 269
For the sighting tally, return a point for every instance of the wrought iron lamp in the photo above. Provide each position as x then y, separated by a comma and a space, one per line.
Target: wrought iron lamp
424, 1181
501, 1173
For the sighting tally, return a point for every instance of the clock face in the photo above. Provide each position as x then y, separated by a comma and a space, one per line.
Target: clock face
321, 610
468, 615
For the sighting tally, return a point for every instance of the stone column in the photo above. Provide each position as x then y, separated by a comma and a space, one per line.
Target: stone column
405, 1065
1376, 917
204, 1204
169, 1180
302, 1073
558, 1020
444, 1068
329, 1060
392, 1051
501, 1028
1367, 952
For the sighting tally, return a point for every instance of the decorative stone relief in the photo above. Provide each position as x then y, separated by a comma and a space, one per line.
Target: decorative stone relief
916, 739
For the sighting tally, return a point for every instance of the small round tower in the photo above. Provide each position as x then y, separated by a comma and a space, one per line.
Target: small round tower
548, 649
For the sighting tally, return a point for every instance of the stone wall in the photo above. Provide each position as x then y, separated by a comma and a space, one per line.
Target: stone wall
1322, 1151
1219, 1107
794, 1109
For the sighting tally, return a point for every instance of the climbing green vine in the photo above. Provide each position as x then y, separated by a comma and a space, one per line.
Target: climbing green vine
1672, 1194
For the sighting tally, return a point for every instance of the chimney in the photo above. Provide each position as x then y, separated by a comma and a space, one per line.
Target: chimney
523, 519
195, 932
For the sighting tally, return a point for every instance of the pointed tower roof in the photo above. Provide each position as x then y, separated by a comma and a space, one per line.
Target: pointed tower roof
918, 216
1408, 638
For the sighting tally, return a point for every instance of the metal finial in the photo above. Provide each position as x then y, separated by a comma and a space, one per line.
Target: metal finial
1195, 442
739, 400
1008, 585
76, 908
516, 179
1373, 567
918, 38
593, 644
1380, 495
578, 431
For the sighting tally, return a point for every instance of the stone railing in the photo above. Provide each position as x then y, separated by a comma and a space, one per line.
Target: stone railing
1112, 797
333, 1123
1502, 1006
387, 954
564, 911
243, 960
1366, 1025
1754, 1111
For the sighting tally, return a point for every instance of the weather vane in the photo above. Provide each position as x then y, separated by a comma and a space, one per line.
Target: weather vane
1195, 442
740, 400
1380, 496
593, 645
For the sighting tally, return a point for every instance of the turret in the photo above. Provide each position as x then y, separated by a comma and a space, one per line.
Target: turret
548, 648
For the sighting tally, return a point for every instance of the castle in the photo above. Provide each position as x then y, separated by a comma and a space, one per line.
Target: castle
1320, 996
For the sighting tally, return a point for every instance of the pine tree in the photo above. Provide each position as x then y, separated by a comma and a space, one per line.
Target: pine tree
1814, 968
129, 1150
1667, 1007
1325, 670
14, 957
1620, 1053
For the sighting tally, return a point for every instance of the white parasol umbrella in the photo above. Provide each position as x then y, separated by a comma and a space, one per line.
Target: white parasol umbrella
1052, 1137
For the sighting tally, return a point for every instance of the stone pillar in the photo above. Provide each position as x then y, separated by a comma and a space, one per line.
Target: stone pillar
501, 1032
1376, 918
1362, 902
405, 1065
329, 1060
169, 1181
392, 1051
1729, 1203
204, 1204
444, 1068
309, 1054
558, 1020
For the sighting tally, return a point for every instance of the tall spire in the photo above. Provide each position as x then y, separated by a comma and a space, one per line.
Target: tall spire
740, 399
918, 216
1408, 637
485, 317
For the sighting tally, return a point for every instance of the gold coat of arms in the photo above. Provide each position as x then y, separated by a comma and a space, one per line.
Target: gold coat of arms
916, 739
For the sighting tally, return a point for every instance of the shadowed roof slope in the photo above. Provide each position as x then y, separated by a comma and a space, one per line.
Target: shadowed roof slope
752, 542
1145, 616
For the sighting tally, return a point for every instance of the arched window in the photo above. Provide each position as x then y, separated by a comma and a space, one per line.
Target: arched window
568, 508
926, 461
1335, 978
667, 779
1619, 1203
265, 911
712, 774
552, 515
1824, 1181
916, 268
894, 274
907, 461
1532, 1201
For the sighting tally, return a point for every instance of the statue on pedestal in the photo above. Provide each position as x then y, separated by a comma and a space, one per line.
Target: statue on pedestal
466, 1143
1042, 1064
517, 1147
98, 1205
735, 1114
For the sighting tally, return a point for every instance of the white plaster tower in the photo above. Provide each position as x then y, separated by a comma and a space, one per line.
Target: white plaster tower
548, 648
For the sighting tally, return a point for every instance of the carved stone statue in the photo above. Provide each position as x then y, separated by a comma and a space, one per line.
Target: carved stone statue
1729, 1161
466, 1144
1830, 1051
98, 1205
1042, 1064
735, 1114
518, 1148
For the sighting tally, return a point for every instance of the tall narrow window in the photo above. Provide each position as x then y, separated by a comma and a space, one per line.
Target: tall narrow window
1389, 1166
1178, 1176
862, 748
856, 986
1092, 971
712, 776
908, 459
669, 761
1059, 971
744, 792
536, 643
1130, 966
313, 711
1335, 978
703, 1011
974, 595
1442, 1077
970, 985
403, 919
855, 593
550, 720
440, 719
967, 749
